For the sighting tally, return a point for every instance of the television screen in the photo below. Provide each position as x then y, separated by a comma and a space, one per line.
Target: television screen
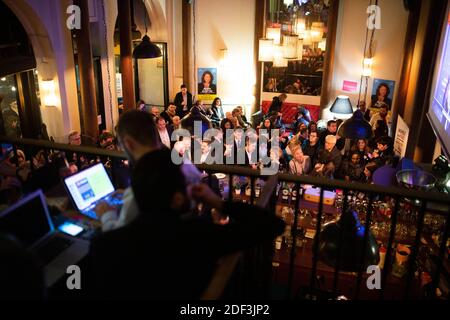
439, 112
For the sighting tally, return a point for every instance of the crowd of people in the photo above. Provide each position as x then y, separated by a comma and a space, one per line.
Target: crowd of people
160, 192
302, 148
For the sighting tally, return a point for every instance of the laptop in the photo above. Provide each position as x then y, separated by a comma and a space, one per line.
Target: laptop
90, 186
29, 221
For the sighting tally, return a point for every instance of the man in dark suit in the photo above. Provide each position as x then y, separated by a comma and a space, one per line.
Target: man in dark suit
167, 253
164, 132
183, 101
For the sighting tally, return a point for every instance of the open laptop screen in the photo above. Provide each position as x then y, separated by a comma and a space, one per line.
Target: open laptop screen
27, 220
89, 186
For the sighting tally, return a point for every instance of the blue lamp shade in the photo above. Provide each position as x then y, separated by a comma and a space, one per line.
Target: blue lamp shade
146, 49
356, 127
342, 242
342, 105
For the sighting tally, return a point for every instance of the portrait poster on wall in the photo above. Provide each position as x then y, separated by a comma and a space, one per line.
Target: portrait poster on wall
382, 93
207, 83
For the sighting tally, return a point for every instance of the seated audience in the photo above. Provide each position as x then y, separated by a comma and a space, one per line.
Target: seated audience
329, 158
164, 132
170, 113
384, 153
154, 111
311, 147
300, 164
176, 123
369, 169
363, 150
353, 170
332, 127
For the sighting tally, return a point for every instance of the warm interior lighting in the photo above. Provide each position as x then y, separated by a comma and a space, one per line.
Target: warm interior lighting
323, 45
223, 57
274, 33
317, 30
49, 93
300, 26
278, 57
300, 49
367, 70
3, 79
13, 89
307, 40
290, 44
265, 50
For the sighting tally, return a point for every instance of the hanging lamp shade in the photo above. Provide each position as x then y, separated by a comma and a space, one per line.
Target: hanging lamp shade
350, 246
342, 105
300, 49
307, 40
323, 45
266, 49
317, 30
290, 44
146, 49
278, 57
300, 26
274, 33
356, 127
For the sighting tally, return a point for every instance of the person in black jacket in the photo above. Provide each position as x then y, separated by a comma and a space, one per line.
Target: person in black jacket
332, 127
183, 101
188, 122
168, 253
329, 158
275, 107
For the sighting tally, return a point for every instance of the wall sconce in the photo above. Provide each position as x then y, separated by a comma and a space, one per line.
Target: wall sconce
367, 69
49, 93
223, 57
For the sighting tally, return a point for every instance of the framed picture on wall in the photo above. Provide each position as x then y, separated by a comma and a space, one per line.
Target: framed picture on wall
207, 83
382, 93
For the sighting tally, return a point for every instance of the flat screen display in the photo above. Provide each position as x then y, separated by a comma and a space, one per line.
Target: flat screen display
88, 186
439, 111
